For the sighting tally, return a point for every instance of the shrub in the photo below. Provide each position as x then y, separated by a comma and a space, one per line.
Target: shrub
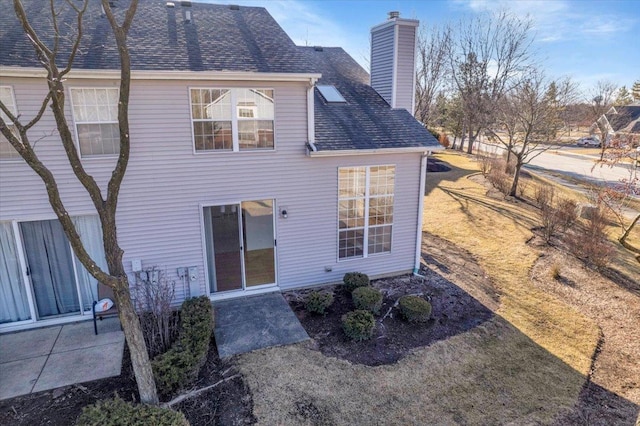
317, 302
544, 195
353, 280
444, 140
180, 364
358, 325
116, 412
499, 179
368, 299
555, 271
590, 244
415, 309
153, 298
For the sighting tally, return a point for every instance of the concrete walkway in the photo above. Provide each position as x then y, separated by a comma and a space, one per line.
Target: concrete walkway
52, 357
255, 322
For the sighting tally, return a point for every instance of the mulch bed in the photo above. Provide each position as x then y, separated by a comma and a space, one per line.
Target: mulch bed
454, 311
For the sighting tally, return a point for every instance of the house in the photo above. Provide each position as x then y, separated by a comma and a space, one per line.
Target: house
621, 124
256, 165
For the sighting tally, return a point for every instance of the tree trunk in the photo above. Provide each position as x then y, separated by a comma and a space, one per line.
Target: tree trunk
135, 340
516, 176
623, 238
470, 146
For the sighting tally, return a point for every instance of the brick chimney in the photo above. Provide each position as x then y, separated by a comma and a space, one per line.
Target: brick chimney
393, 60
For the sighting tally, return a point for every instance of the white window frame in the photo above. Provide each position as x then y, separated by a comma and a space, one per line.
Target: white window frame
367, 197
14, 111
235, 118
76, 122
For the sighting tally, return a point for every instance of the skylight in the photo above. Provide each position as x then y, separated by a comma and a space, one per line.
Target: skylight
331, 94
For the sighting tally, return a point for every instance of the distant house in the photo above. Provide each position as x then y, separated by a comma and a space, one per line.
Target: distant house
622, 124
256, 165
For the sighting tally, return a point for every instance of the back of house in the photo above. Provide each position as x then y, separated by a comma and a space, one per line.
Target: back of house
256, 165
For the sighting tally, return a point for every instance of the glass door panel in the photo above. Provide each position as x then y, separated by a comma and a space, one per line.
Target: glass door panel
50, 268
258, 236
14, 303
222, 237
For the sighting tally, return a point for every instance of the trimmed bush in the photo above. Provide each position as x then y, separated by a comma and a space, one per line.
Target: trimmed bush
415, 309
368, 299
358, 325
116, 412
317, 302
180, 364
353, 280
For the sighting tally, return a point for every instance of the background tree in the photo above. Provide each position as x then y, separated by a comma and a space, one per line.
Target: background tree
488, 53
432, 49
527, 118
602, 98
50, 57
617, 199
623, 97
635, 90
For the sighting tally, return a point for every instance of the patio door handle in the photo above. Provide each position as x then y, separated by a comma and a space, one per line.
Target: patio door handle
28, 271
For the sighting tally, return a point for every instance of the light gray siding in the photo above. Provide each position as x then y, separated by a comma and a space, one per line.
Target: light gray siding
382, 53
159, 218
405, 71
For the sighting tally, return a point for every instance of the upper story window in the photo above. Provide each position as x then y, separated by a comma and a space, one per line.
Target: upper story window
232, 119
365, 210
95, 111
7, 152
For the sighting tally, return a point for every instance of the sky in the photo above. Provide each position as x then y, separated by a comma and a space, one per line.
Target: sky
587, 40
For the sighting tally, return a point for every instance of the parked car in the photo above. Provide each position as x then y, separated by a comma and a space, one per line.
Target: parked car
588, 141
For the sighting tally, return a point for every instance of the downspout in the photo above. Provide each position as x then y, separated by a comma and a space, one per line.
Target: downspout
423, 173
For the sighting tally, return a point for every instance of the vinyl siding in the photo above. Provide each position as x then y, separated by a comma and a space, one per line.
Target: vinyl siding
406, 67
159, 219
382, 52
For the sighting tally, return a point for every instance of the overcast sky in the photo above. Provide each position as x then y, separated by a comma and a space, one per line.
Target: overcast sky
588, 40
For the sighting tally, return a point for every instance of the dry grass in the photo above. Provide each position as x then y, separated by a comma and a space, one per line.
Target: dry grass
616, 310
496, 231
491, 375
526, 366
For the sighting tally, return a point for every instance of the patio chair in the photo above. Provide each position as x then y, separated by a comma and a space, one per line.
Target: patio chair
104, 307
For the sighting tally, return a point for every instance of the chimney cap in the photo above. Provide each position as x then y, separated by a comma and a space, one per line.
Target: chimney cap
394, 14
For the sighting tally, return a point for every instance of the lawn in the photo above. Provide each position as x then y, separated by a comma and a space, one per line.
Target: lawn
531, 363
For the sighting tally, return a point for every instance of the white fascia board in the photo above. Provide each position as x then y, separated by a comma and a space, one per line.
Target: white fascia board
346, 152
165, 75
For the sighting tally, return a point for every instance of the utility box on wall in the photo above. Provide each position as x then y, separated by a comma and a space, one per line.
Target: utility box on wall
194, 283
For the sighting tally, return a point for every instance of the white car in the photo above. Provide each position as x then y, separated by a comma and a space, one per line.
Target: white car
588, 141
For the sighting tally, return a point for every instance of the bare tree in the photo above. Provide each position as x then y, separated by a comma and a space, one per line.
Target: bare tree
50, 57
617, 198
602, 98
488, 55
433, 46
527, 118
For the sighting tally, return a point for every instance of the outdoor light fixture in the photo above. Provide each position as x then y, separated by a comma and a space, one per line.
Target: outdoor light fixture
284, 213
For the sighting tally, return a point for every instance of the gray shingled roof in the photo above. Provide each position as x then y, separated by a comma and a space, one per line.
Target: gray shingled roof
366, 121
217, 38
626, 119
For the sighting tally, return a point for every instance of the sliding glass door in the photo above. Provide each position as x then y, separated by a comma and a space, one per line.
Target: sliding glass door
50, 268
240, 245
40, 277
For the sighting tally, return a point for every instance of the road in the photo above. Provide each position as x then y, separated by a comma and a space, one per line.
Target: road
570, 162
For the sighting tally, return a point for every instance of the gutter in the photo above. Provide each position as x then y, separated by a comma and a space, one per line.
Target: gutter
346, 152
423, 175
165, 75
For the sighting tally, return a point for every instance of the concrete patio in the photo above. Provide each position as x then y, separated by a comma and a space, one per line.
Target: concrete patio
52, 357
255, 322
